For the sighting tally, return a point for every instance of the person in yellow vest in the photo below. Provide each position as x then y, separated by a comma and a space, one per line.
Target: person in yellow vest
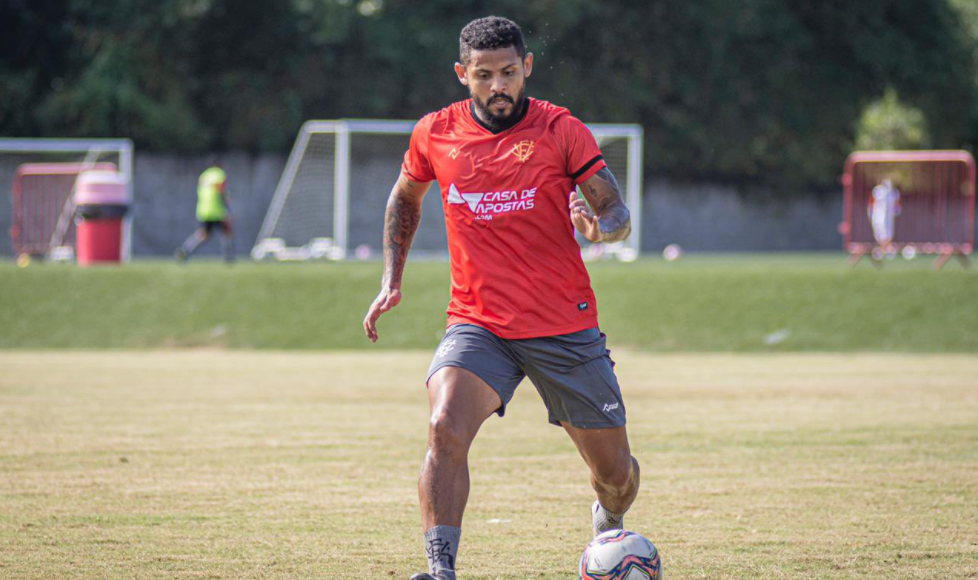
213, 212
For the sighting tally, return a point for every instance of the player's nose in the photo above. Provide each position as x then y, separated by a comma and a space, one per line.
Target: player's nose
498, 86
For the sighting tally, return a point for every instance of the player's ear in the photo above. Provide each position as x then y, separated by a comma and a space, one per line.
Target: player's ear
460, 71
528, 64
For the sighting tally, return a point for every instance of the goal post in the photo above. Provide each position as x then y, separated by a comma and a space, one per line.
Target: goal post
330, 200
621, 146
40, 176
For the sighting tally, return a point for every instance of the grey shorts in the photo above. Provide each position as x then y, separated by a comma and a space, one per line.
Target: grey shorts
573, 372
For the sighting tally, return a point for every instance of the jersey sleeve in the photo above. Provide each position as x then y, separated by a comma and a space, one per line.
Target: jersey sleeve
417, 166
581, 153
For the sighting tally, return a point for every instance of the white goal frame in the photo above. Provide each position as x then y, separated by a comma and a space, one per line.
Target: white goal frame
337, 247
83, 147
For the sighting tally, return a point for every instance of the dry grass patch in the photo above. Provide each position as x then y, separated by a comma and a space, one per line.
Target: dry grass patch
214, 464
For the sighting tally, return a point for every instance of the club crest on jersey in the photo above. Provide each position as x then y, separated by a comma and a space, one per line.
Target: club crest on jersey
523, 150
487, 204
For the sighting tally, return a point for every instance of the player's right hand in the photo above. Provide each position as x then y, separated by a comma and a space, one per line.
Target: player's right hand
387, 299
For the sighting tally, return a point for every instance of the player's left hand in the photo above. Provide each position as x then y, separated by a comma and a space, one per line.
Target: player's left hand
583, 219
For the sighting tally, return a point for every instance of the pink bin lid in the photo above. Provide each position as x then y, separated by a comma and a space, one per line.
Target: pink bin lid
101, 187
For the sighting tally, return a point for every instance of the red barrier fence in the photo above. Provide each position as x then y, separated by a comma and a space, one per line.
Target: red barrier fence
909, 201
40, 195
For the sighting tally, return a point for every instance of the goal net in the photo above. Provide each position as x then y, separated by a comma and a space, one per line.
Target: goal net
330, 200
39, 176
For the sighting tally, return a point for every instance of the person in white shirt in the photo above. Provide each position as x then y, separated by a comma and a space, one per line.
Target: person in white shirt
884, 207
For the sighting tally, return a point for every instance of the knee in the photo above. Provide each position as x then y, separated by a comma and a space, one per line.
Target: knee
617, 474
448, 437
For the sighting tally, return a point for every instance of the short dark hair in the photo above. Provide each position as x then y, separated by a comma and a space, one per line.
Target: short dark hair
490, 33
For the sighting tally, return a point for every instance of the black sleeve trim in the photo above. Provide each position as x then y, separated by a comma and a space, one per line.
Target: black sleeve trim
587, 166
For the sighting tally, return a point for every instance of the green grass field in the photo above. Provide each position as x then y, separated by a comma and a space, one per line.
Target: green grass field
702, 303
795, 419
272, 465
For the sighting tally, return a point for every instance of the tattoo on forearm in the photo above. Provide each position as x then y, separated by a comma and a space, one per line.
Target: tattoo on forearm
400, 224
613, 215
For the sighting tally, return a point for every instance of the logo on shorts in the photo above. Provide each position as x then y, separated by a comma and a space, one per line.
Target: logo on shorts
445, 348
608, 407
582, 306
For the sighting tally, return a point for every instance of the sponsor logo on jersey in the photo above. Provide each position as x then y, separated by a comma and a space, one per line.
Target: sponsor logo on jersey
523, 150
454, 153
487, 204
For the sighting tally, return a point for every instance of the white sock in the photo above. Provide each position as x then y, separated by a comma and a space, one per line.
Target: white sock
441, 547
603, 520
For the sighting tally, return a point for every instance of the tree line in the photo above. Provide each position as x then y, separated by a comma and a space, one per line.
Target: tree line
768, 91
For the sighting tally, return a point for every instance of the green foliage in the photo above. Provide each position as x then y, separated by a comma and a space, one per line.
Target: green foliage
757, 90
116, 95
968, 10
888, 124
697, 304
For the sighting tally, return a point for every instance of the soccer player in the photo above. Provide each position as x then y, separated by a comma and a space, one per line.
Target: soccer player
212, 213
521, 299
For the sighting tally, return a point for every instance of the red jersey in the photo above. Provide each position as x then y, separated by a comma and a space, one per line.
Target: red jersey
516, 267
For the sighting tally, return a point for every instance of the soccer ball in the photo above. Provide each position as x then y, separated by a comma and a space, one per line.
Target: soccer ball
620, 555
672, 252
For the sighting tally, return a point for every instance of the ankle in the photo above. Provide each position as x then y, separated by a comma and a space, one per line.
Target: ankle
441, 548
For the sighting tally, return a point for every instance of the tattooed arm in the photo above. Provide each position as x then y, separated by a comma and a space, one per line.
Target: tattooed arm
400, 223
609, 221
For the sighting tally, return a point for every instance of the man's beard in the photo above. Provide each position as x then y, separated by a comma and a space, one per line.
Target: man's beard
500, 123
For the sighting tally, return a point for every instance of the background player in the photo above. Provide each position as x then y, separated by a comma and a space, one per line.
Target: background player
213, 212
522, 303
884, 207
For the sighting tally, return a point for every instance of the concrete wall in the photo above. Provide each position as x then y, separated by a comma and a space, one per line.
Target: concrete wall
709, 218
700, 217
165, 190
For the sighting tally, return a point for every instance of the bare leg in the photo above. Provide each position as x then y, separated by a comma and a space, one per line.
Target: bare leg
193, 242
614, 472
227, 241
460, 402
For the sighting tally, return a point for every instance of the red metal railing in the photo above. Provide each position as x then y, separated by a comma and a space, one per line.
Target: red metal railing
40, 192
937, 196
